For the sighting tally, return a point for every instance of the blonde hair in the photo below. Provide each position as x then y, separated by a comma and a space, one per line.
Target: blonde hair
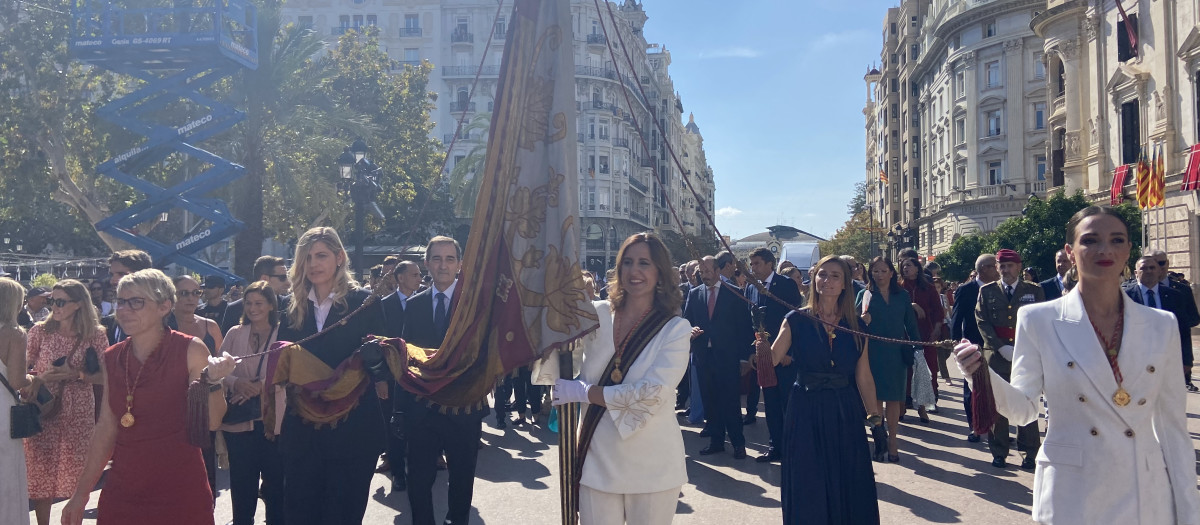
155, 284
845, 304
342, 281
12, 296
86, 321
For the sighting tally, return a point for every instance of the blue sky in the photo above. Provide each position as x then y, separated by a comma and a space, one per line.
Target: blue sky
777, 90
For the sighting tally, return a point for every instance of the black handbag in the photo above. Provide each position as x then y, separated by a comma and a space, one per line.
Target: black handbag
250, 409
24, 418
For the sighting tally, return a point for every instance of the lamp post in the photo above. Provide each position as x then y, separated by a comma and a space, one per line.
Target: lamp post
358, 177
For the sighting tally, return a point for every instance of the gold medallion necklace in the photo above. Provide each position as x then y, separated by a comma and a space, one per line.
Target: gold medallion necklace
616, 374
128, 420
1112, 348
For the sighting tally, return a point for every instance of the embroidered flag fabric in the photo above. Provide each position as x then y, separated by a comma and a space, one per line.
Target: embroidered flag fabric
1191, 177
1158, 186
1115, 193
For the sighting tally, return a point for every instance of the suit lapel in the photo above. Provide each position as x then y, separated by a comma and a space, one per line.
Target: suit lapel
1078, 338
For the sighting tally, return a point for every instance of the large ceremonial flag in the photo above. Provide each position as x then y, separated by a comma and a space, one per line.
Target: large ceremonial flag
1191, 177
521, 291
1158, 178
1143, 180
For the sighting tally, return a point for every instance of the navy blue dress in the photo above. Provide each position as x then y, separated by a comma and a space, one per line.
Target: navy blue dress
827, 473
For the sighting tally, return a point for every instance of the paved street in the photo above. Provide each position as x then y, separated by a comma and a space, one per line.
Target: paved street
940, 479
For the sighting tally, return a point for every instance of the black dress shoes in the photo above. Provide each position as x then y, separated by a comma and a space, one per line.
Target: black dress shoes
739, 453
705, 433
749, 420
710, 450
772, 455
999, 463
399, 484
1030, 463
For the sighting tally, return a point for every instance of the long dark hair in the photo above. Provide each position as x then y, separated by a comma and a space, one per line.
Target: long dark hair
666, 290
268, 294
892, 286
922, 280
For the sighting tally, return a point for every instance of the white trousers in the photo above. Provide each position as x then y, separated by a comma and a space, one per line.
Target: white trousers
605, 508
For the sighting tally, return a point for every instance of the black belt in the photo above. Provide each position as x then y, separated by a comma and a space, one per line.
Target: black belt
810, 381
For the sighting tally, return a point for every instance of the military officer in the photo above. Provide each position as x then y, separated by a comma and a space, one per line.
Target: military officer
996, 314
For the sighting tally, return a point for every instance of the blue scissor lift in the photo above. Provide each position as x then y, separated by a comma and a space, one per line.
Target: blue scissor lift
177, 51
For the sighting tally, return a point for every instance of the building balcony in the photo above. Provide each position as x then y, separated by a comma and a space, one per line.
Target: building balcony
410, 32
462, 37
647, 163
598, 72
639, 218
470, 71
1058, 106
460, 107
597, 39
620, 143
581, 137
638, 185
1038, 186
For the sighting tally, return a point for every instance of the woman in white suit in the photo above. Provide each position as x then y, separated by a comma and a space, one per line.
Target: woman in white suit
630, 442
1117, 449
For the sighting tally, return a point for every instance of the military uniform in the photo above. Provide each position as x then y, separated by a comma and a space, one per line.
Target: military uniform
996, 314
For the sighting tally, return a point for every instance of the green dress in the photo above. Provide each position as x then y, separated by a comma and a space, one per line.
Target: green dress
893, 318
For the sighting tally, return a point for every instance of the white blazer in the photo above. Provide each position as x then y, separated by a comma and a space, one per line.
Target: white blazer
637, 447
1103, 463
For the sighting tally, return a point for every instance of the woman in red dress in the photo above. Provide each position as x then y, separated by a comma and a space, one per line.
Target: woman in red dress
157, 476
930, 316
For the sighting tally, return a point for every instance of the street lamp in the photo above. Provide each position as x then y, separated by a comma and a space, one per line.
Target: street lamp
359, 178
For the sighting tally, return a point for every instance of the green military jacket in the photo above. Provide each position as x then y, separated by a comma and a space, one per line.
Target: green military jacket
997, 315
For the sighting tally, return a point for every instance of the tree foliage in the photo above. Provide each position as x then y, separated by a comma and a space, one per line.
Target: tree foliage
1036, 234
855, 238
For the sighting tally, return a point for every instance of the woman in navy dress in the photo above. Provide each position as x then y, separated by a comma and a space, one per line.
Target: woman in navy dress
827, 473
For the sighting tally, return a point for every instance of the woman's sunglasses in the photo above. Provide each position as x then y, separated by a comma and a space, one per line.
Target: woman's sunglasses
184, 293
60, 302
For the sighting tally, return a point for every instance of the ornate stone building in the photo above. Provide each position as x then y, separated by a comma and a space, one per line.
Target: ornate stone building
1117, 86
626, 179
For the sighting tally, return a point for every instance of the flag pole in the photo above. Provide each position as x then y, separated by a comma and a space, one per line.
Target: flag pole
568, 437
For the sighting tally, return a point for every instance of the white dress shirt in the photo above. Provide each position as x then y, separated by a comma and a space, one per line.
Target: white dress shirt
449, 292
322, 307
1157, 296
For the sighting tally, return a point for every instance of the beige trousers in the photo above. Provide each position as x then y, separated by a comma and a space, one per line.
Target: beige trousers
604, 508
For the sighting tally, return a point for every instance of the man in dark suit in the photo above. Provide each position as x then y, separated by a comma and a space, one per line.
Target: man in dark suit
1189, 307
266, 268
120, 264
962, 320
721, 331
1055, 287
408, 277
762, 266
1149, 290
428, 430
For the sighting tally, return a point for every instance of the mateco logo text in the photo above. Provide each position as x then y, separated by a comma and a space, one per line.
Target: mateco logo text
194, 124
193, 239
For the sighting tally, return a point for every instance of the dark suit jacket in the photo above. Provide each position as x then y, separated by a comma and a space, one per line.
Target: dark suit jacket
393, 315
785, 289
729, 330
1050, 288
962, 317
363, 430
1175, 302
419, 330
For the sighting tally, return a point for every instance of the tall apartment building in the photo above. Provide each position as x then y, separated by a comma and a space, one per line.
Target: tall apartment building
1117, 86
957, 113
625, 179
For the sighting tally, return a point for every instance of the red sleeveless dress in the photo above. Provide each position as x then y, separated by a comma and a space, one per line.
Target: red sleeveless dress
156, 476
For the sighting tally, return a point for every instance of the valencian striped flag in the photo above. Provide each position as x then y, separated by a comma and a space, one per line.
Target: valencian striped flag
522, 290
1158, 177
1143, 180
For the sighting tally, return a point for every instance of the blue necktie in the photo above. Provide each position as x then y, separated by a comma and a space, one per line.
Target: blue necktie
1151, 301
439, 316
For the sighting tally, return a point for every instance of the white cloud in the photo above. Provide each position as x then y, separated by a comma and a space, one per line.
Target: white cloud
732, 52
728, 212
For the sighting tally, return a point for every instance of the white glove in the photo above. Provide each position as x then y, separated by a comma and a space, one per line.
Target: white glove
964, 350
1006, 352
220, 366
570, 391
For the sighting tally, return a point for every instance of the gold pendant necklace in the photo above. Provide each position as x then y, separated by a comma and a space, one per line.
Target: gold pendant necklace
128, 420
616, 375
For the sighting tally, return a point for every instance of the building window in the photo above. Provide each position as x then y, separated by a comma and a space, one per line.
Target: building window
344, 21
412, 21
989, 29
960, 84
1039, 115
995, 175
993, 73
358, 21
1130, 131
1039, 66
412, 55
960, 131
304, 22
895, 85
1062, 79
460, 25
914, 51
895, 59
993, 121
1039, 163
912, 21
372, 20
501, 27
459, 158
896, 192
1125, 47
604, 164
893, 28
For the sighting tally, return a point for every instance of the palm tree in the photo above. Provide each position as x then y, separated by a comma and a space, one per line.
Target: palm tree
465, 176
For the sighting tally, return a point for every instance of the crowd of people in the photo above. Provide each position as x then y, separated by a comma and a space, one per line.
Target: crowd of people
838, 353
